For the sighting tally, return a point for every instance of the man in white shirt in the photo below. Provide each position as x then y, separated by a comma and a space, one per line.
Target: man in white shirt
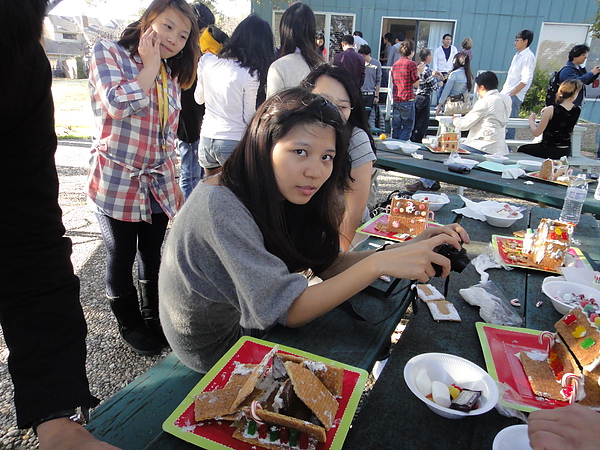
487, 120
359, 40
520, 75
443, 59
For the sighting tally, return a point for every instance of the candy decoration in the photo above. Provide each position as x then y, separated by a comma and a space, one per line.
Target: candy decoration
597, 322
589, 307
253, 407
273, 433
569, 319
421, 206
589, 342
571, 380
395, 209
251, 427
454, 391
579, 332
549, 338
538, 304
515, 302
294, 436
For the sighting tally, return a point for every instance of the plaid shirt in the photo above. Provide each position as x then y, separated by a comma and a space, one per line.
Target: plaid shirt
404, 75
128, 164
427, 82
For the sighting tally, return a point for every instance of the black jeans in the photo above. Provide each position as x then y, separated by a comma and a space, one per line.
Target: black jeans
421, 118
126, 240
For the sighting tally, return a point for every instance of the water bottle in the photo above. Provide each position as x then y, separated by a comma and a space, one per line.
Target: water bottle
574, 199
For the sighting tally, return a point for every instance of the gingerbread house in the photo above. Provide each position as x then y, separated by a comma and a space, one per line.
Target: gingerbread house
550, 244
554, 170
408, 216
576, 350
448, 141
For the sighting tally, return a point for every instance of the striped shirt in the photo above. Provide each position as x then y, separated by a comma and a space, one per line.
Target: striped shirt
128, 163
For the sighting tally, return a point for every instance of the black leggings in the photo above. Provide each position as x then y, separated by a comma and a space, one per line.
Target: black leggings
126, 240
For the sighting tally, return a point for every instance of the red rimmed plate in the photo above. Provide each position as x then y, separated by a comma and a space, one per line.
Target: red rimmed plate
439, 150
579, 260
213, 434
369, 228
500, 346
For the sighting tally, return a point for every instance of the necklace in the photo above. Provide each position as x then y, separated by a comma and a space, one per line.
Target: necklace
162, 91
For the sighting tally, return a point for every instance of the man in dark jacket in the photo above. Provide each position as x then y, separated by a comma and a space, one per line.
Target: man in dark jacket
351, 60
573, 70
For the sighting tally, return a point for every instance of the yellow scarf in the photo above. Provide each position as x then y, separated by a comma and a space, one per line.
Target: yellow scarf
209, 44
162, 90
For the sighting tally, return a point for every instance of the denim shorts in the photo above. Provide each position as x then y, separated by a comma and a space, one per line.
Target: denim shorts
214, 152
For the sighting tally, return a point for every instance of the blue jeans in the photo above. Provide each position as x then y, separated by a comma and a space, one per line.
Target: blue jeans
190, 172
514, 112
403, 120
214, 152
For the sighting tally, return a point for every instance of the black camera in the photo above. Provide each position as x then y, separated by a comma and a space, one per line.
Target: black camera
458, 259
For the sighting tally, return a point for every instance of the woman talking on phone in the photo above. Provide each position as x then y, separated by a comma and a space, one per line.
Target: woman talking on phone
135, 90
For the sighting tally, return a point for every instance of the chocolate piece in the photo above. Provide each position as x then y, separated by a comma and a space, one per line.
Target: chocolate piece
466, 400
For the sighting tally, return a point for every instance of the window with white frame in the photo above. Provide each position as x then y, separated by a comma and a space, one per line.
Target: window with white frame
555, 42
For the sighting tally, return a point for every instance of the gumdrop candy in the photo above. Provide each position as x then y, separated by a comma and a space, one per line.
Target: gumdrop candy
594, 316
589, 342
579, 332
396, 209
569, 319
597, 322
588, 308
454, 392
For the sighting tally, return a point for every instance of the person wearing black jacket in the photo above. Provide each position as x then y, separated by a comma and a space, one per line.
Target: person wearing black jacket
190, 120
40, 312
573, 70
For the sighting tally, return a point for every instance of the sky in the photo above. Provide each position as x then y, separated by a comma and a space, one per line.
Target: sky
125, 9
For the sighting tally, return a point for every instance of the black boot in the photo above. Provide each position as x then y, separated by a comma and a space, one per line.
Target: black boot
149, 300
132, 328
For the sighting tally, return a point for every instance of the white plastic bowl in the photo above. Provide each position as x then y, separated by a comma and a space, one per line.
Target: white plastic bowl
392, 145
496, 220
451, 369
529, 165
554, 289
436, 201
409, 147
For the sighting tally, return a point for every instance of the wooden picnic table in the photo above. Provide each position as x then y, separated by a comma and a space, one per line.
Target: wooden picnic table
431, 166
133, 418
392, 417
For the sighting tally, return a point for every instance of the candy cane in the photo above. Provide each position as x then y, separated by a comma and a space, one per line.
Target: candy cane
571, 378
253, 407
549, 341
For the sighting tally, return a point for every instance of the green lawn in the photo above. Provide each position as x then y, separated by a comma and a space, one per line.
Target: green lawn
73, 112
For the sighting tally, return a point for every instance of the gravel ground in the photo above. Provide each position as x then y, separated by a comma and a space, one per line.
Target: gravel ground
110, 365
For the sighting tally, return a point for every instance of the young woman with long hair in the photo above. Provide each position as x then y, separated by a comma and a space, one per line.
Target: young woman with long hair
336, 84
231, 85
298, 53
556, 124
135, 87
274, 212
460, 80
